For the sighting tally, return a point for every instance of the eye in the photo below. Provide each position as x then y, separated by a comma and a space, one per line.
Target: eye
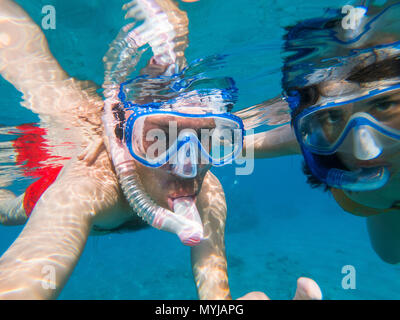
334, 116
385, 106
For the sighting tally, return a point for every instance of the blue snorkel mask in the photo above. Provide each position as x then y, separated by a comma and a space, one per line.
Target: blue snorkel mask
349, 72
183, 133
360, 126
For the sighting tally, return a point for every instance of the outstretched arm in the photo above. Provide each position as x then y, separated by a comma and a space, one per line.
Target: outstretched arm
272, 143
27, 63
41, 259
277, 142
208, 259
25, 58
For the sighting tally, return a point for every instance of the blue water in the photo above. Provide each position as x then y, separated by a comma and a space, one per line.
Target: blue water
278, 228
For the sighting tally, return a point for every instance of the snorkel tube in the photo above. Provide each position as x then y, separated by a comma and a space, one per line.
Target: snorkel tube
185, 221
162, 19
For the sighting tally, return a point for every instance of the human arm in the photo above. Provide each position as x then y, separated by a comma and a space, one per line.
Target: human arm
25, 58
277, 142
27, 63
41, 259
208, 259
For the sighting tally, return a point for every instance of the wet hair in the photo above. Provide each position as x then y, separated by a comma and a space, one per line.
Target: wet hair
331, 161
119, 115
386, 69
312, 180
308, 96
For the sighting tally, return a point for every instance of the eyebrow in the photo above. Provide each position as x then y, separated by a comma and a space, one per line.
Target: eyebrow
393, 97
380, 99
389, 68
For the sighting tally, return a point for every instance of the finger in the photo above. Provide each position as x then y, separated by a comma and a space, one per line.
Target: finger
256, 295
307, 289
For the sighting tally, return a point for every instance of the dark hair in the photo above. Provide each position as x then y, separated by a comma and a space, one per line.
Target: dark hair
389, 68
331, 161
119, 115
308, 96
312, 180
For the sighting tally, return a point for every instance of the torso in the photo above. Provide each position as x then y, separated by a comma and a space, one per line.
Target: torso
119, 216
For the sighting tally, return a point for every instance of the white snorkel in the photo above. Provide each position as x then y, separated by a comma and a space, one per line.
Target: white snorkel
120, 61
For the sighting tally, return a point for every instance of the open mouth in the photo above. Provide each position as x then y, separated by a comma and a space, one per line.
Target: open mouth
184, 209
171, 200
371, 164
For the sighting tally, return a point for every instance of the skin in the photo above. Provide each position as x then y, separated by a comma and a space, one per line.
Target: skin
86, 194
384, 228
89, 176
307, 289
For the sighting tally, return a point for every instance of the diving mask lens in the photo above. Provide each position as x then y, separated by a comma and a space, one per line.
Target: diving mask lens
159, 137
324, 129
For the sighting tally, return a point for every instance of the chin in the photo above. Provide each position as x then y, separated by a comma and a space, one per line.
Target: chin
163, 186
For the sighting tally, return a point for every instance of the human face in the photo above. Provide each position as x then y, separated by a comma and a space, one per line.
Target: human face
385, 109
163, 183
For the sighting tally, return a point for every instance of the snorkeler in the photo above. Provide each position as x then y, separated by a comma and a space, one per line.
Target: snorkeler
111, 167
86, 194
345, 116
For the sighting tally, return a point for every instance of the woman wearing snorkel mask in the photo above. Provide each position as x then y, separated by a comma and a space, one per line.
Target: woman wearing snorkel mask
343, 89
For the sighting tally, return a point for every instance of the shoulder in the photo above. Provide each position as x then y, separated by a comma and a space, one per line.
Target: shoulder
352, 206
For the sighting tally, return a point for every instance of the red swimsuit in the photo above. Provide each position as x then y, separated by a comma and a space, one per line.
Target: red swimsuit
32, 151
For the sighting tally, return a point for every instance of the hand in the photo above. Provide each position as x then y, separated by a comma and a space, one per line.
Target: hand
307, 289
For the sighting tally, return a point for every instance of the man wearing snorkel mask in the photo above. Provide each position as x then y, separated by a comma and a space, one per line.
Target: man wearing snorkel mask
346, 116
112, 156
151, 156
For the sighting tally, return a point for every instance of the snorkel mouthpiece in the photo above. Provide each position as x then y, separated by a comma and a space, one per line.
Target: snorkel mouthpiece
364, 179
185, 207
185, 221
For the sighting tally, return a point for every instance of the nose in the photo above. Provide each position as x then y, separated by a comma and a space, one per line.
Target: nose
186, 161
365, 144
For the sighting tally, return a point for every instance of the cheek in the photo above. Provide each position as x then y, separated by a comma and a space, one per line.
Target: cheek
202, 169
395, 161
